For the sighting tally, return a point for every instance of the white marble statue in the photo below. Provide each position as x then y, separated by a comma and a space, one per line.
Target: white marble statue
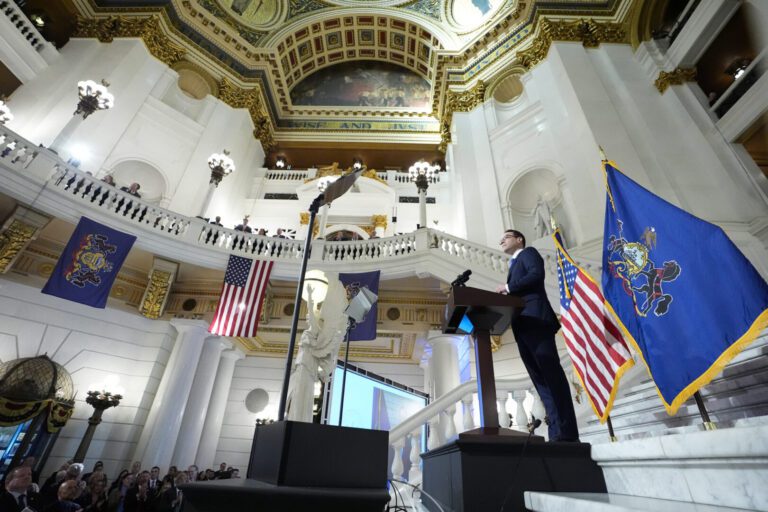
541, 218
318, 349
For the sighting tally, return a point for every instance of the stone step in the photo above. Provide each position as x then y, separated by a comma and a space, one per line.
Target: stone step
596, 502
740, 392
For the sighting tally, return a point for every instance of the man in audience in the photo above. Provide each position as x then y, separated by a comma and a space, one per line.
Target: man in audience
68, 492
133, 189
244, 226
218, 475
192, 472
154, 481
15, 497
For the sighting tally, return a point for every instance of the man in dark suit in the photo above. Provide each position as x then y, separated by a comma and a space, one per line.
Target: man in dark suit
16, 496
534, 331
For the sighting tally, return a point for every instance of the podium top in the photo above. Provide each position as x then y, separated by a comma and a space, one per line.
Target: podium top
470, 309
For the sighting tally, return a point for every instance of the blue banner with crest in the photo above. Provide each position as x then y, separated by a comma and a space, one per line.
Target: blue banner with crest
688, 298
89, 264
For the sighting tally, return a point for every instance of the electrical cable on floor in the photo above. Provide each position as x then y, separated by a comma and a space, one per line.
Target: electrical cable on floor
536, 424
422, 491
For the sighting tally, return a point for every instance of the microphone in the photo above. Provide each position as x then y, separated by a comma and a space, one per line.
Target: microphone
536, 424
462, 278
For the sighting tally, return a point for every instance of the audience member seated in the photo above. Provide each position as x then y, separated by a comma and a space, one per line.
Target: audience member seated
98, 467
217, 220
15, 497
133, 189
109, 180
137, 498
222, 472
116, 500
170, 498
94, 497
244, 226
68, 492
154, 481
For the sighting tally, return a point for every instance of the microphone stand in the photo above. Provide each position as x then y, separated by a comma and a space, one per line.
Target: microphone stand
313, 209
350, 325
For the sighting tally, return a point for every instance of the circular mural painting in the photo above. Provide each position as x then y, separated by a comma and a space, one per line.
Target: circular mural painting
254, 13
470, 13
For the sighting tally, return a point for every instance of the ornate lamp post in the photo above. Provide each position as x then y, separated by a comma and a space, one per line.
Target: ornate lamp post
5, 113
421, 172
221, 165
101, 401
322, 184
92, 97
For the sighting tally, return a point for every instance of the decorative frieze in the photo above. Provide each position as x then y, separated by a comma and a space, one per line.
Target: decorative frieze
23, 226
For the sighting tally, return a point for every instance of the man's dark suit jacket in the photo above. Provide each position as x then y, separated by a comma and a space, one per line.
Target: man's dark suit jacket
8, 502
526, 280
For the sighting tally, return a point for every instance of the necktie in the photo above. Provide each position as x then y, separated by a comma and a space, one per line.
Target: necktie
22, 501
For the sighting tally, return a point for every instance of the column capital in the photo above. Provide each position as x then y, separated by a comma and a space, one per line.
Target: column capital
183, 325
214, 339
437, 338
233, 353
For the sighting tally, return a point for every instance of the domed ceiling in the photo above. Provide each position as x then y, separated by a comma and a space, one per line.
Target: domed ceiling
353, 70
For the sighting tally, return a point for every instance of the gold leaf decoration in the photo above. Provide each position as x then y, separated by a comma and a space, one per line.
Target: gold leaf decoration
157, 291
676, 77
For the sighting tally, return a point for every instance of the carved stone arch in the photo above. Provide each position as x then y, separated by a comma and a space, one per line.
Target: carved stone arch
346, 227
526, 190
153, 182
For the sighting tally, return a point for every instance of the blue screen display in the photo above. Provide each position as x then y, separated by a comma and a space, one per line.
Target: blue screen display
465, 326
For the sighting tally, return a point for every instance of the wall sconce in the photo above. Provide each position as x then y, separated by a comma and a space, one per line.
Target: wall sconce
280, 163
357, 164
738, 67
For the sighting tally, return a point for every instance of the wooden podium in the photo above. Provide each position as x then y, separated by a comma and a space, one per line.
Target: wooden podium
490, 467
482, 314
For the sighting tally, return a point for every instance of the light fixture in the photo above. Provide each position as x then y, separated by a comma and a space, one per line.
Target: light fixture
421, 172
101, 397
280, 163
5, 113
738, 67
93, 96
221, 165
37, 20
357, 164
315, 281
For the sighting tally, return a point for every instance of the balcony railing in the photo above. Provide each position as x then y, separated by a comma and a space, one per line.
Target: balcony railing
37, 177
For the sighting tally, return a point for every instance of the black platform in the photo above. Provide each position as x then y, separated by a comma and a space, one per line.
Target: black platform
251, 495
475, 473
303, 466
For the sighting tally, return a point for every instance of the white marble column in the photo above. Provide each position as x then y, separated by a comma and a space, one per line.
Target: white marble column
158, 438
199, 400
209, 439
444, 363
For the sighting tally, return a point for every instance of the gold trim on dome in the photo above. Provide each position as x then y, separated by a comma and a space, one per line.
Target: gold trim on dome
149, 29
589, 32
675, 77
464, 101
13, 241
379, 221
158, 287
213, 85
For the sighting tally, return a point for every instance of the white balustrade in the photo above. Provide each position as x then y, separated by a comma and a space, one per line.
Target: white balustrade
415, 456
37, 176
501, 402
299, 176
397, 463
25, 27
440, 415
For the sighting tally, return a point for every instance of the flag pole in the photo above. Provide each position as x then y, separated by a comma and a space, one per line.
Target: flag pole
610, 429
313, 209
708, 424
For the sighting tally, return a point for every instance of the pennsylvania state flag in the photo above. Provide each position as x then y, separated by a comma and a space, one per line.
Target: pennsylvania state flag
89, 264
687, 297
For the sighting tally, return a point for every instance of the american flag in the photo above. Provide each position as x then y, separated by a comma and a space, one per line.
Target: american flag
595, 343
239, 308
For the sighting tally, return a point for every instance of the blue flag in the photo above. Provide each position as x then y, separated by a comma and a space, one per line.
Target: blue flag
89, 264
366, 330
687, 297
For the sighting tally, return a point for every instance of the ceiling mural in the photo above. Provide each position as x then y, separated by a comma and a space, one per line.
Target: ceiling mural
363, 84
287, 50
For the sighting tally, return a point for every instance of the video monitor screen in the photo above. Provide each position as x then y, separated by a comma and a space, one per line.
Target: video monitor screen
370, 403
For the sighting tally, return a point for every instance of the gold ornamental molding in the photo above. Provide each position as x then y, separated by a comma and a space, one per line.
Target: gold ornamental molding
589, 32
13, 241
304, 220
464, 101
675, 77
148, 29
379, 221
157, 292
250, 99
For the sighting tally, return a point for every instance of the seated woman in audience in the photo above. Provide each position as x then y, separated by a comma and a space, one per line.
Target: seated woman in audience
116, 500
94, 498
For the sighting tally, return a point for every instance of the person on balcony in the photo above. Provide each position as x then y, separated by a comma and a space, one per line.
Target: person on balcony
534, 331
133, 189
244, 226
